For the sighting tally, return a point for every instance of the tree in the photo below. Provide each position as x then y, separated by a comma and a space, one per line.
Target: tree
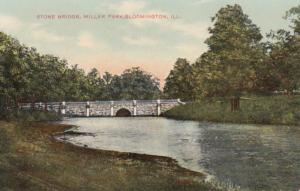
110, 83
27, 76
294, 16
13, 70
179, 81
229, 66
284, 54
76, 84
137, 84
114, 88
95, 85
133, 83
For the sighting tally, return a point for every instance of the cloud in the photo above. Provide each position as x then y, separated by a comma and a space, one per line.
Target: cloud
86, 40
140, 41
201, 2
41, 34
128, 6
9, 23
189, 50
46, 36
197, 30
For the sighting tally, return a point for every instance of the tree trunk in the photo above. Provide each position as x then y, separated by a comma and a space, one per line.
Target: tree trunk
235, 104
232, 104
32, 106
46, 108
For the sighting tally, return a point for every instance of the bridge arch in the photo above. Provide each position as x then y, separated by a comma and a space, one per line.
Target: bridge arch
123, 112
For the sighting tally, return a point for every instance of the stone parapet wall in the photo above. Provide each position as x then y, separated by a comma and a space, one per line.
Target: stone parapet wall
106, 108
144, 109
76, 109
99, 109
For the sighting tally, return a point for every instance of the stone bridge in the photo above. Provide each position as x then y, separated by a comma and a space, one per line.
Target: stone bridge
107, 108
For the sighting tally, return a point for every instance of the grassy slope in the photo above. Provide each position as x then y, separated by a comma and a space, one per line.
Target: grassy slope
31, 160
29, 115
261, 110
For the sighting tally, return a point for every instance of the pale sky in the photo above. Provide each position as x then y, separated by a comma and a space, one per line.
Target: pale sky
115, 45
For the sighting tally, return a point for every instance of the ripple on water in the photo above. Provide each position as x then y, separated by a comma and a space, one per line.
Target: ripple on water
251, 156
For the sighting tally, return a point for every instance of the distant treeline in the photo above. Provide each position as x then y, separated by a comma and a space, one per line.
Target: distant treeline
239, 61
28, 76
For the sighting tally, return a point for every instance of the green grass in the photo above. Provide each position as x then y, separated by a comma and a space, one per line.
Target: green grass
29, 116
259, 110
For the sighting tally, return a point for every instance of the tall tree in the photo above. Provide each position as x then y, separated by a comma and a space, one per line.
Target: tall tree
284, 53
179, 81
13, 69
234, 54
95, 85
294, 16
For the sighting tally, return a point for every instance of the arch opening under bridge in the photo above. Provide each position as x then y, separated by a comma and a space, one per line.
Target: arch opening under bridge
123, 113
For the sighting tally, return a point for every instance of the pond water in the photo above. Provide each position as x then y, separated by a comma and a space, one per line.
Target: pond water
257, 157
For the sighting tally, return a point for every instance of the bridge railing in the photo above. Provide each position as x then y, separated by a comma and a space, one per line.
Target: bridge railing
41, 105
73, 103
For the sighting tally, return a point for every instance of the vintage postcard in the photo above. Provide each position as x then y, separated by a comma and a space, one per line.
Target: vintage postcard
161, 95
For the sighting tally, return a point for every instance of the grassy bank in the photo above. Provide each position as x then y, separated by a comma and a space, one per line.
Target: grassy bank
30, 159
261, 110
29, 116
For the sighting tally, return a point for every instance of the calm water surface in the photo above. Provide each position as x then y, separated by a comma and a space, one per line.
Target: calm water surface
251, 156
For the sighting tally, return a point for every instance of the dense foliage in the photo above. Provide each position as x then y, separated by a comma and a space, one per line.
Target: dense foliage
179, 82
238, 62
27, 76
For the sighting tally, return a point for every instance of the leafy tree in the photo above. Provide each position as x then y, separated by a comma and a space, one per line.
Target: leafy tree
294, 16
13, 69
110, 84
137, 84
284, 54
51, 74
95, 85
133, 83
76, 86
179, 81
228, 68
235, 50
114, 88
27, 76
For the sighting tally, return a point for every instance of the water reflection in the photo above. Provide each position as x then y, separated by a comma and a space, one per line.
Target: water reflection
255, 157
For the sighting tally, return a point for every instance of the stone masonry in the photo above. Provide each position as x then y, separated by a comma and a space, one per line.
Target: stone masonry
106, 108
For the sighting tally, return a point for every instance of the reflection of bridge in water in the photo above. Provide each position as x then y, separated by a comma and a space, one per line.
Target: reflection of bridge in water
107, 108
